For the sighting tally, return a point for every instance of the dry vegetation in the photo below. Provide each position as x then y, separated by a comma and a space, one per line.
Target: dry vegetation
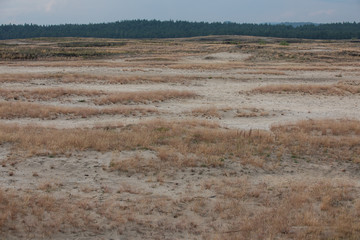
45, 94
237, 208
198, 143
295, 210
88, 78
226, 165
214, 112
332, 89
11, 110
144, 97
324, 210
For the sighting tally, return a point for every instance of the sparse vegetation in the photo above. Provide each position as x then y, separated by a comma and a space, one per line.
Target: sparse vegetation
214, 112
11, 110
331, 89
25, 53
45, 94
144, 96
310, 139
88, 78
116, 146
294, 208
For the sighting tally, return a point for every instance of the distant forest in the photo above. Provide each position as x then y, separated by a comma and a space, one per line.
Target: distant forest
177, 29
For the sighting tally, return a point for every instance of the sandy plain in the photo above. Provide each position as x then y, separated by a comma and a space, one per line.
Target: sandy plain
180, 139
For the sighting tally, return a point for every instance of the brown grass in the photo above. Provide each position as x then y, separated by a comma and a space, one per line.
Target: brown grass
10, 110
237, 209
206, 112
295, 210
209, 66
144, 96
251, 112
322, 139
332, 89
210, 112
193, 142
264, 72
45, 93
183, 179
36, 215
190, 140
88, 78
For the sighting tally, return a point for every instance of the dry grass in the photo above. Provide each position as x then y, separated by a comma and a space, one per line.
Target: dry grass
36, 215
295, 210
139, 67
144, 97
88, 78
237, 209
332, 89
186, 179
10, 110
264, 72
190, 140
209, 66
251, 112
186, 143
214, 112
321, 139
207, 112
45, 94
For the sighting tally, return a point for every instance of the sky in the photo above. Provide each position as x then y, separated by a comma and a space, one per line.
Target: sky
46, 12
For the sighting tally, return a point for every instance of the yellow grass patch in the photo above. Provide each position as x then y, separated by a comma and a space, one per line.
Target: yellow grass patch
45, 93
10, 110
143, 96
332, 89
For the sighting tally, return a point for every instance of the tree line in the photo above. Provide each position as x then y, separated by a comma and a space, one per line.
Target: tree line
177, 29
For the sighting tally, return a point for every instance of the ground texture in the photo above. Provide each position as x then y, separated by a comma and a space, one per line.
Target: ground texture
202, 138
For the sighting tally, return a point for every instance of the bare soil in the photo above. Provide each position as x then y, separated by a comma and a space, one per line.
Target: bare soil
246, 199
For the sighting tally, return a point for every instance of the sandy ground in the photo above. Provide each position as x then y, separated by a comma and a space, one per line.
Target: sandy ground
222, 89
84, 174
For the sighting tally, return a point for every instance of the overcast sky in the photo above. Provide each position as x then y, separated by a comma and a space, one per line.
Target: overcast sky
248, 11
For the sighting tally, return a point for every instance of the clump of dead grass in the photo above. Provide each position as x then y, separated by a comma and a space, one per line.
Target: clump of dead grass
177, 143
92, 78
264, 72
143, 96
38, 215
45, 215
214, 112
206, 112
332, 89
208, 66
45, 94
323, 139
251, 112
296, 210
10, 110
197, 143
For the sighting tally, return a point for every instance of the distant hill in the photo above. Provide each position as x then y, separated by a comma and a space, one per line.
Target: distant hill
177, 29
